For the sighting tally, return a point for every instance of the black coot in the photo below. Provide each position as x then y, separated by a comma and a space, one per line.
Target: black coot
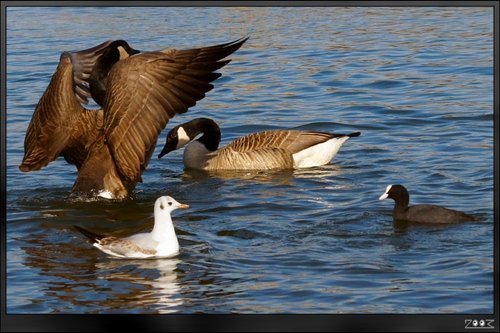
421, 213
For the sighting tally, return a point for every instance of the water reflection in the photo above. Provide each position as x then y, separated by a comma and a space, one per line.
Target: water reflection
86, 278
280, 176
275, 241
157, 283
283, 177
324, 172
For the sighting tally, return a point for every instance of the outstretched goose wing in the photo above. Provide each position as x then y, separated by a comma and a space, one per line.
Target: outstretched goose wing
146, 90
83, 63
59, 108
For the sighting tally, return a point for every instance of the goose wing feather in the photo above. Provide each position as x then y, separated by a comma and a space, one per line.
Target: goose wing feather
264, 158
59, 110
83, 62
146, 90
47, 134
291, 140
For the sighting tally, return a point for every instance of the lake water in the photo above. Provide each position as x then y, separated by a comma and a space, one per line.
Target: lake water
417, 83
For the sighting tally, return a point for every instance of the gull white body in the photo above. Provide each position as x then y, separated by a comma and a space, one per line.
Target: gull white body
161, 242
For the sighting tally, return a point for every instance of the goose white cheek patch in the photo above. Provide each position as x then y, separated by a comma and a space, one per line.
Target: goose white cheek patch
123, 53
183, 138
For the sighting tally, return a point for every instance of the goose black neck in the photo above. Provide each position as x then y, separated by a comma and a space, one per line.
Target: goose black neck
99, 76
211, 133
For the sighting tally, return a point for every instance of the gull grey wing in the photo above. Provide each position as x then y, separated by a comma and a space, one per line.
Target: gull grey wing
124, 247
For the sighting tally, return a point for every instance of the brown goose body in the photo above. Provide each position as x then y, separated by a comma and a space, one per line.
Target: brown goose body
138, 94
267, 150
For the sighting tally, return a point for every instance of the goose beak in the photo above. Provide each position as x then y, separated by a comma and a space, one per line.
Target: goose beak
134, 51
183, 206
165, 151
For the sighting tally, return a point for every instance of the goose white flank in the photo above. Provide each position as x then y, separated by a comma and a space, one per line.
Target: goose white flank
161, 242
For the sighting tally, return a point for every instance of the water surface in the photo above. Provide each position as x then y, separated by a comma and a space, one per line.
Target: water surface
418, 84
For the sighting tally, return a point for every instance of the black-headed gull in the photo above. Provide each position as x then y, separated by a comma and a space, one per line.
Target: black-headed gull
161, 242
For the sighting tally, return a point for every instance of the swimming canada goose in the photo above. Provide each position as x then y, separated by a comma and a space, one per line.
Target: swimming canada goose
421, 213
276, 149
138, 92
161, 242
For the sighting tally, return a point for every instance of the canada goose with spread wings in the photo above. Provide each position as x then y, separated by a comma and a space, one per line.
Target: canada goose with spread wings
138, 94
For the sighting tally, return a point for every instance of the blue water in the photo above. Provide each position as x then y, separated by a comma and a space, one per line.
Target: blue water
418, 84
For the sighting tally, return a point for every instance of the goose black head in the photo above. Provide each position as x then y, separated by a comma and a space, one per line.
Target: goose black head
119, 50
114, 52
178, 137
182, 134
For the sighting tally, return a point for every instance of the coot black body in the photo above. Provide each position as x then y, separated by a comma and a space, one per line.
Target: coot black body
430, 214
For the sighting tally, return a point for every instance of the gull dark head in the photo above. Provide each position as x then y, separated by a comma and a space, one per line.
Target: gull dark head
167, 204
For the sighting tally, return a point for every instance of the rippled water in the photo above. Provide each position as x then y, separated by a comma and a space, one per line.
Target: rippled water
418, 84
